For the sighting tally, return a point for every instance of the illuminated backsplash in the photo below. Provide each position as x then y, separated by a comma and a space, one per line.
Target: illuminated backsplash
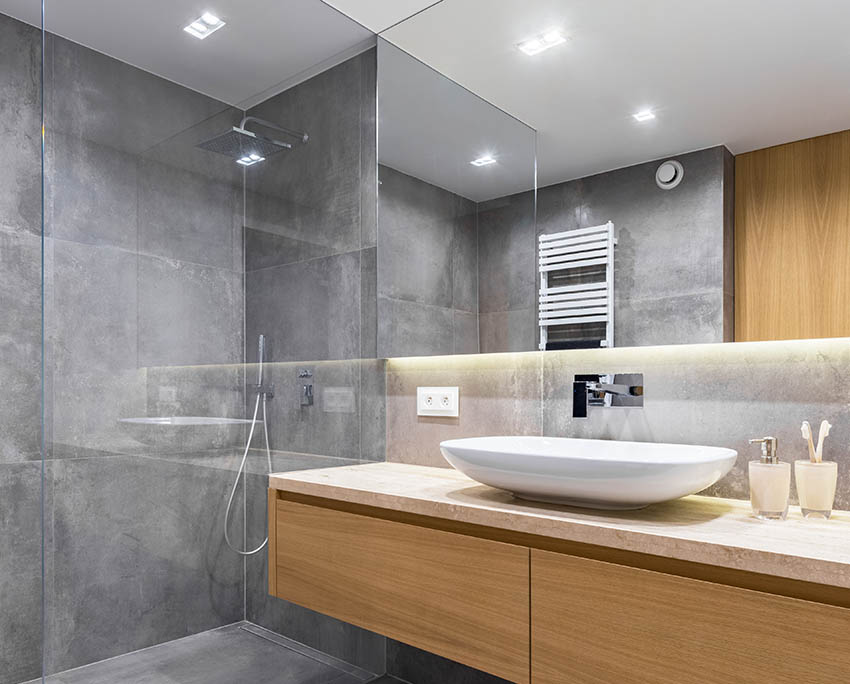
717, 394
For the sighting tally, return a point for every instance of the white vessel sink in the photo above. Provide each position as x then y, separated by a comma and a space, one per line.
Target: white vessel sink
587, 472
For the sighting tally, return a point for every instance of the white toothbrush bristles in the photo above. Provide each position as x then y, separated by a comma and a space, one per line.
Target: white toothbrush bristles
823, 433
806, 429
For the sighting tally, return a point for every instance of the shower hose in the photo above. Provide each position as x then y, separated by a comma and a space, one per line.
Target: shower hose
241, 473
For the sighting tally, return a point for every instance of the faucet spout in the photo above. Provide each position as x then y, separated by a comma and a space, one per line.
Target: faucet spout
606, 390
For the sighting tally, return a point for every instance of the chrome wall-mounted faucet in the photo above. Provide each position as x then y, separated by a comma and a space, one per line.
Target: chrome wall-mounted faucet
306, 387
606, 390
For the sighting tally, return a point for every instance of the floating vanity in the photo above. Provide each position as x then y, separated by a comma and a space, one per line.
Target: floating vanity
693, 590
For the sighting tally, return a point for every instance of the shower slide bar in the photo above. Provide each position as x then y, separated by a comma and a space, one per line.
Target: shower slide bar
559, 255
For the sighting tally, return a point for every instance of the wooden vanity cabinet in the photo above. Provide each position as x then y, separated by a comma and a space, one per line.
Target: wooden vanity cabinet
535, 612
593, 621
459, 596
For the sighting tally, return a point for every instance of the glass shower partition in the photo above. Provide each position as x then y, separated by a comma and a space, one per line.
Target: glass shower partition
186, 216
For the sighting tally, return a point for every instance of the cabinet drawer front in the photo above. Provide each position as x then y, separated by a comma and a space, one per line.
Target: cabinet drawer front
598, 622
460, 597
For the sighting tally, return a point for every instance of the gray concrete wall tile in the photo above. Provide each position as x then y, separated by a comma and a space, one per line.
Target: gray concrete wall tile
416, 240
20, 345
187, 216
165, 540
508, 331
465, 332
91, 192
507, 260
369, 303
413, 329
309, 310
188, 314
20, 126
20, 572
465, 258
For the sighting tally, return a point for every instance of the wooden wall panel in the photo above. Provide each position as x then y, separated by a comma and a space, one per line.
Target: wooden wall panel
792, 240
598, 623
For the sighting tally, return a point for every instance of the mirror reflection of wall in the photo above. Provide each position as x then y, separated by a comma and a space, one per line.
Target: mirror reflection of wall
445, 155
723, 176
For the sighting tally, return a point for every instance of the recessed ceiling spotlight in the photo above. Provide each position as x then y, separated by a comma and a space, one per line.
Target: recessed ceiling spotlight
541, 42
483, 161
644, 115
250, 159
204, 26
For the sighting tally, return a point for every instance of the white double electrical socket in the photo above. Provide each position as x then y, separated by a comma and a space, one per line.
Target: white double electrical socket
437, 401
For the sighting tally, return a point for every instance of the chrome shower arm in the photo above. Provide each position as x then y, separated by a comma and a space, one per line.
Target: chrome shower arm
268, 124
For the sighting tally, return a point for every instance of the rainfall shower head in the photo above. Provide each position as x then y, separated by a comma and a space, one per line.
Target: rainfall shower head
249, 148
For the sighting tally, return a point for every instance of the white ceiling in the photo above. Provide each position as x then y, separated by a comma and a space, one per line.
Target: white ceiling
265, 47
431, 128
745, 73
379, 15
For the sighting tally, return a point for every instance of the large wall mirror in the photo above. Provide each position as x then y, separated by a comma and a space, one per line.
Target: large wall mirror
668, 173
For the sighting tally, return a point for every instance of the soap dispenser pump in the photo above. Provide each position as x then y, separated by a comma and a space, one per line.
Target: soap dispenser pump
770, 482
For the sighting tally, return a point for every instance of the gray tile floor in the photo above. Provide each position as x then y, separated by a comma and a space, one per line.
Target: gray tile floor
236, 654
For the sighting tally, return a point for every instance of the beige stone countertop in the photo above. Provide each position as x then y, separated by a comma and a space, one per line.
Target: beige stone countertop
702, 529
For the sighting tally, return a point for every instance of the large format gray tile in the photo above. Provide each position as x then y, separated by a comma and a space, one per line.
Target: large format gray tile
369, 148
139, 557
20, 126
20, 571
465, 332
331, 426
20, 346
373, 410
369, 303
91, 192
680, 319
309, 310
91, 314
416, 240
188, 314
188, 216
507, 263
465, 259
413, 329
508, 331
228, 655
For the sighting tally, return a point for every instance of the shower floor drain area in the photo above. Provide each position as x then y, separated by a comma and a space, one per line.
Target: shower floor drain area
237, 653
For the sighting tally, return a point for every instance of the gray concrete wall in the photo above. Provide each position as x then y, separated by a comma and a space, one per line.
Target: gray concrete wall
673, 264
20, 351
427, 269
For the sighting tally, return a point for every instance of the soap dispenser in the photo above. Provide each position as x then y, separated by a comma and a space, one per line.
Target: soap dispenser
770, 482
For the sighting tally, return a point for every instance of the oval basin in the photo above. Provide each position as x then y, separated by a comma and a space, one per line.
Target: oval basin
590, 473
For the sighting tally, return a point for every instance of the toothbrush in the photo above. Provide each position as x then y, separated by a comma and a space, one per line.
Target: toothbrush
824, 432
806, 429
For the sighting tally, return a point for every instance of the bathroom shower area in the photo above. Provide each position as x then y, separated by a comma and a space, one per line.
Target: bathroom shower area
199, 285
182, 275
